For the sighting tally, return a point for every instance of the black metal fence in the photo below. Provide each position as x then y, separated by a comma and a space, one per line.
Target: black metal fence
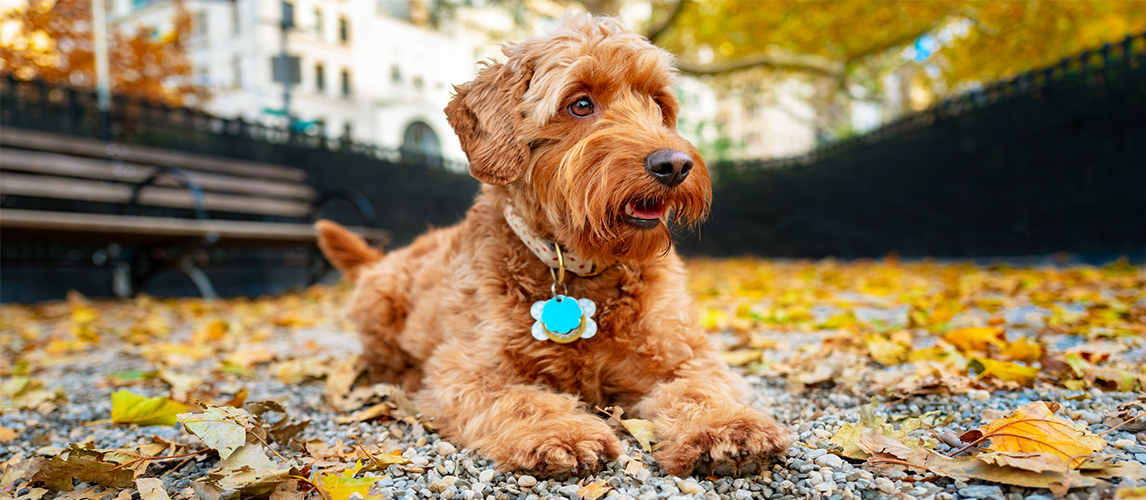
409, 191
1053, 160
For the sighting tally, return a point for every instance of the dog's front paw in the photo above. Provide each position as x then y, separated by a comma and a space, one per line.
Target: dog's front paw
725, 442
556, 447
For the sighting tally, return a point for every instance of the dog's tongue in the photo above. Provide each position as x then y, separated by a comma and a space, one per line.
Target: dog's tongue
646, 209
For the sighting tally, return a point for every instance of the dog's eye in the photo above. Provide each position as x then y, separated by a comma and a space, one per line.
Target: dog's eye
583, 106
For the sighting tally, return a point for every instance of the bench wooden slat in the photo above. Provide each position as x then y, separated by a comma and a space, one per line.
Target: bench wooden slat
167, 226
44, 141
75, 166
73, 189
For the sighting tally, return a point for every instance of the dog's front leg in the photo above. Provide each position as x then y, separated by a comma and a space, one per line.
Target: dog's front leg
521, 427
703, 424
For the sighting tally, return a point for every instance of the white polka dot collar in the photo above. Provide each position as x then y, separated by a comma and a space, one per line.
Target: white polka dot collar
545, 249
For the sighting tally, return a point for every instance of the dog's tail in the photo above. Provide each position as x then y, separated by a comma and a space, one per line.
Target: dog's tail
348, 252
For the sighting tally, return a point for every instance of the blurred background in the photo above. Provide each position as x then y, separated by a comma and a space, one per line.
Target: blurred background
182, 147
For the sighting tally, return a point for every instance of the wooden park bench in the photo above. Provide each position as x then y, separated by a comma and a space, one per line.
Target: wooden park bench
164, 205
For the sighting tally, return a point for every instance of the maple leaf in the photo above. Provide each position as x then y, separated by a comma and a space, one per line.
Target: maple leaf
594, 490
1036, 428
130, 408
222, 428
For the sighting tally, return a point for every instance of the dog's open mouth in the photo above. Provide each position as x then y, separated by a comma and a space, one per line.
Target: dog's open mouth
644, 214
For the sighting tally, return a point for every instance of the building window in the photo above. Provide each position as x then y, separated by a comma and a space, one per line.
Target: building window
199, 24
345, 83
236, 72
318, 22
319, 78
235, 26
343, 29
395, 74
287, 18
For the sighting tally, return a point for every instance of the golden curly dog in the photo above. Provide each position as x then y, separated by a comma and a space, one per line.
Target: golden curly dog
574, 139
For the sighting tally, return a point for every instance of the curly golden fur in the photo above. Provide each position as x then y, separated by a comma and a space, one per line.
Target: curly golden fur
448, 317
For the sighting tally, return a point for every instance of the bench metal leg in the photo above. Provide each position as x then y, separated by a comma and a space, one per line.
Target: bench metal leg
198, 277
121, 280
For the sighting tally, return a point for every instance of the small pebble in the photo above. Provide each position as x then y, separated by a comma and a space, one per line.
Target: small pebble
981, 491
444, 448
978, 395
487, 475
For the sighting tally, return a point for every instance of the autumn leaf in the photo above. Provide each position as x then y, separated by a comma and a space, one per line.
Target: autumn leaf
130, 408
151, 489
1023, 350
594, 490
1036, 428
978, 338
882, 448
642, 431
1003, 370
884, 350
741, 357
849, 435
339, 486
222, 428
103, 467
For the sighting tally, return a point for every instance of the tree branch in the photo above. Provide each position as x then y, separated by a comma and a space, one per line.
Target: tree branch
808, 63
661, 28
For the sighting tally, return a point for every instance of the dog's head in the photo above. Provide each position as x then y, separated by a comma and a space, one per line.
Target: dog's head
580, 126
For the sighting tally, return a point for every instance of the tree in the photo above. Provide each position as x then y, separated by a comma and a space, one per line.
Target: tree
53, 41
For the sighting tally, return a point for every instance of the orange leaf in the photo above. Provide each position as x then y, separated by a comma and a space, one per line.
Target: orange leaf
977, 338
592, 491
1036, 428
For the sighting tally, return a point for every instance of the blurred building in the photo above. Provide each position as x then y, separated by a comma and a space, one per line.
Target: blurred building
776, 123
375, 70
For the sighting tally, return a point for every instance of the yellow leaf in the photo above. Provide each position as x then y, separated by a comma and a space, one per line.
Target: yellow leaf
130, 408
1130, 494
1023, 350
642, 430
341, 486
850, 435
1036, 428
885, 351
977, 338
7, 434
1003, 370
592, 491
741, 357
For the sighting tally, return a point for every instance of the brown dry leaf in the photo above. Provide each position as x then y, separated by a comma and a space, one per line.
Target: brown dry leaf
339, 381
967, 468
741, 357
849, 435
1036, 428
886, 351
978, 338
634, 466
642, 431
594, 490
250, 356
103, 467
151, 489
7, 434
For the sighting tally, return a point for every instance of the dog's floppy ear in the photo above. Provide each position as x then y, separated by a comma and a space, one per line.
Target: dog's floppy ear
486, 115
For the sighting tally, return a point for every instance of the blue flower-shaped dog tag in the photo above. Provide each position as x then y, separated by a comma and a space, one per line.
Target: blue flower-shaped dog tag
563, 319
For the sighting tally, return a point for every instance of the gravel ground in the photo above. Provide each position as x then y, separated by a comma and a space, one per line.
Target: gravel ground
452, 473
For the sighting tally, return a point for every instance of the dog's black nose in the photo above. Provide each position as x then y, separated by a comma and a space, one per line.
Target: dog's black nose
668, 166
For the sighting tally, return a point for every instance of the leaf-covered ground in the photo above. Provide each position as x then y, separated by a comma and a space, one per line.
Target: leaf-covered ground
921, 379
